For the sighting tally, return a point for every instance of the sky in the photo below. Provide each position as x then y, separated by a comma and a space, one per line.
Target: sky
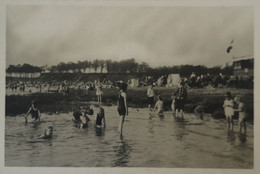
159, 35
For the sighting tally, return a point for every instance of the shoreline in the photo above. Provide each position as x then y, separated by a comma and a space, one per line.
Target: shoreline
212, 100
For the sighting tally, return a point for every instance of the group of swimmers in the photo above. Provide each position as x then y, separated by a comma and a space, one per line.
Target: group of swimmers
34, 111
178, 101
81, 117
122, 110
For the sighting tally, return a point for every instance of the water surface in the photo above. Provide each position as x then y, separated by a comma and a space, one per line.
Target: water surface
146, 142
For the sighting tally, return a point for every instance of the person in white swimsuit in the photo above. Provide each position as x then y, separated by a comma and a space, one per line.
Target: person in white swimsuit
229, 111
158, 108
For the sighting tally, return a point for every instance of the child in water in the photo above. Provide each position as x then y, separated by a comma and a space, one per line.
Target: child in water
173, 105
86, 113
77, 114
81, 123
100, 117
241, 114
199, 111
150, 96
85, 119
158, 108
229, 111
47, 133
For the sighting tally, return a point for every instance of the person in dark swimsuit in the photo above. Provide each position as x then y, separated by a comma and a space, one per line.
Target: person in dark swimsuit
100, 117
35, 112
77, 114
122, 106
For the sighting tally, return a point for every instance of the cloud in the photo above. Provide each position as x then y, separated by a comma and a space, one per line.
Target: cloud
158, 35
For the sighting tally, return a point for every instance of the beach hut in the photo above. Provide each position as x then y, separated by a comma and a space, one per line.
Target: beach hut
243, 67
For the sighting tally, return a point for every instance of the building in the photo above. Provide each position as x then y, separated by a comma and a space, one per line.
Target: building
243, 67
45, 69
23, 75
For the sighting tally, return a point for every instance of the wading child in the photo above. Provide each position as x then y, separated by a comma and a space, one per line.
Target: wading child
150, 96
241, 114
85, 119
229, 111
35, 112
173, 106
100, 117
199, 111
158, 108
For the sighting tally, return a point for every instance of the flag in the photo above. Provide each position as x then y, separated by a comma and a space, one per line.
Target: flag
229, 49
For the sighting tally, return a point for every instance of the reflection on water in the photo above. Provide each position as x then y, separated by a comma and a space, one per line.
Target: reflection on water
231, 137
122, 153
148, 141
242, 138
100, 131
161, 117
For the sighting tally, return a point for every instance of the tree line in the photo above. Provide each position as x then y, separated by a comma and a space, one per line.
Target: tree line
25, 68
123, 66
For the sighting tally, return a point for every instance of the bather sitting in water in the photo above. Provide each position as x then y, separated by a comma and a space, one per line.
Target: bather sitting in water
47, 133
199, 111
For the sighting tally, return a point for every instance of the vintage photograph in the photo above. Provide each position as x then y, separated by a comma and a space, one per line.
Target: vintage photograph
129, 86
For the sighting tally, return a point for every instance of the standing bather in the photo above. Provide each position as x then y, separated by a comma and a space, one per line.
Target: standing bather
122, 106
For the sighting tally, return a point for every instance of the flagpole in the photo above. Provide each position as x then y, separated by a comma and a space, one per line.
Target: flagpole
228, 50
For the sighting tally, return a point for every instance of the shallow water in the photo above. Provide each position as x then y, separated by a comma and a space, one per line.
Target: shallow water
146, 142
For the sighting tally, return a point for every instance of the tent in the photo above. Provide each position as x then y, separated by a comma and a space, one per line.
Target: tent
134, 83
173, 80
160, 81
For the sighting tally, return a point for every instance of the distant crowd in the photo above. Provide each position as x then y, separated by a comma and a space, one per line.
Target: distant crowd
45, 87
210, 81
220, 80
193, 81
